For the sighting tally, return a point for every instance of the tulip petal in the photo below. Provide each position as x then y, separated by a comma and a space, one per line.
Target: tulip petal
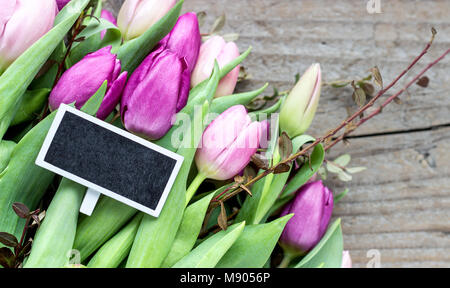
228, 83
83, 79
149, 104
112, 97
6, 11
185, 39
305, 229
29, 22
221, 133
233, 159
184, 85
209, 51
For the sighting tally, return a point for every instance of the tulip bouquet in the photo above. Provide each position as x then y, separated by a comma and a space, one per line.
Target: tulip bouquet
247, 195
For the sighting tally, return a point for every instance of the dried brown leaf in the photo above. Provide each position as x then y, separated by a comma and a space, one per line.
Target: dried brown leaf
423, 82
377, 76
282, 168
285, 146
222, 219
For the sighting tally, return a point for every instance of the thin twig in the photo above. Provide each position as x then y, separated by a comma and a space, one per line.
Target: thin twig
385, 103
346, 122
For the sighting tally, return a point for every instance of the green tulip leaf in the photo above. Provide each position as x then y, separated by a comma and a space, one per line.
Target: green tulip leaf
15, 80
328, 252
172, 139
156, 235
221, 104
268, 111
132, 53
189, 230
113, 252
55, 236
257, 208
32, 104
306, 171
108, 217
92, 40
22, 180
210, 251
255, 245
6, 149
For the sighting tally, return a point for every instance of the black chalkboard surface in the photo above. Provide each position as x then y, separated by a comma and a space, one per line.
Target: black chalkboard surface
109, 160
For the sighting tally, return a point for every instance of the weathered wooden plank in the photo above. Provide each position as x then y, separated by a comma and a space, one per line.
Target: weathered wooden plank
401, 204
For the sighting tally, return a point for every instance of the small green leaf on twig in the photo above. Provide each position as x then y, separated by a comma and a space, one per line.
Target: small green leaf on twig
355, 170
343, 176
341, 195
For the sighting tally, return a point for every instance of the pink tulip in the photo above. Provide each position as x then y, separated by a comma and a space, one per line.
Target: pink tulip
107, 15
346, 260
228, 143
23, 22
136, 16
216, 49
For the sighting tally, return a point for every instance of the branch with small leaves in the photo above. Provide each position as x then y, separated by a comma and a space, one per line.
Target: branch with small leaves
328, 139
13, 258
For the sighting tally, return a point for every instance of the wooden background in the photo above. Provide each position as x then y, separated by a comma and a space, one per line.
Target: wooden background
401, 204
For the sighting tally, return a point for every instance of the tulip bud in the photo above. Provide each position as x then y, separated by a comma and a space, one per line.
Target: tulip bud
228, 144
22, 22
213, 49
155, 92
346, 260
184, 39
136, 16
83, 79
312, 208
107, 15
300, 106
61, 3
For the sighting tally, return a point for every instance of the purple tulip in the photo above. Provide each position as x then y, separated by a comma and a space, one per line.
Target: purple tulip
107, 15
228, 144
83, 79
346, 260
155, 92
22, 22
185, 39
312, 208
216, 49
61, 3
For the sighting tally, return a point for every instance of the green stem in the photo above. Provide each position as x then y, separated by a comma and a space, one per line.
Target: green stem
286, 260
194, 186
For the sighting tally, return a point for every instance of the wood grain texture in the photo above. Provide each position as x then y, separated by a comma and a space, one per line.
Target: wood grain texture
401, 204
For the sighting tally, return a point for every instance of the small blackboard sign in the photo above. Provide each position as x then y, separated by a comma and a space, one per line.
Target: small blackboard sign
108, 160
